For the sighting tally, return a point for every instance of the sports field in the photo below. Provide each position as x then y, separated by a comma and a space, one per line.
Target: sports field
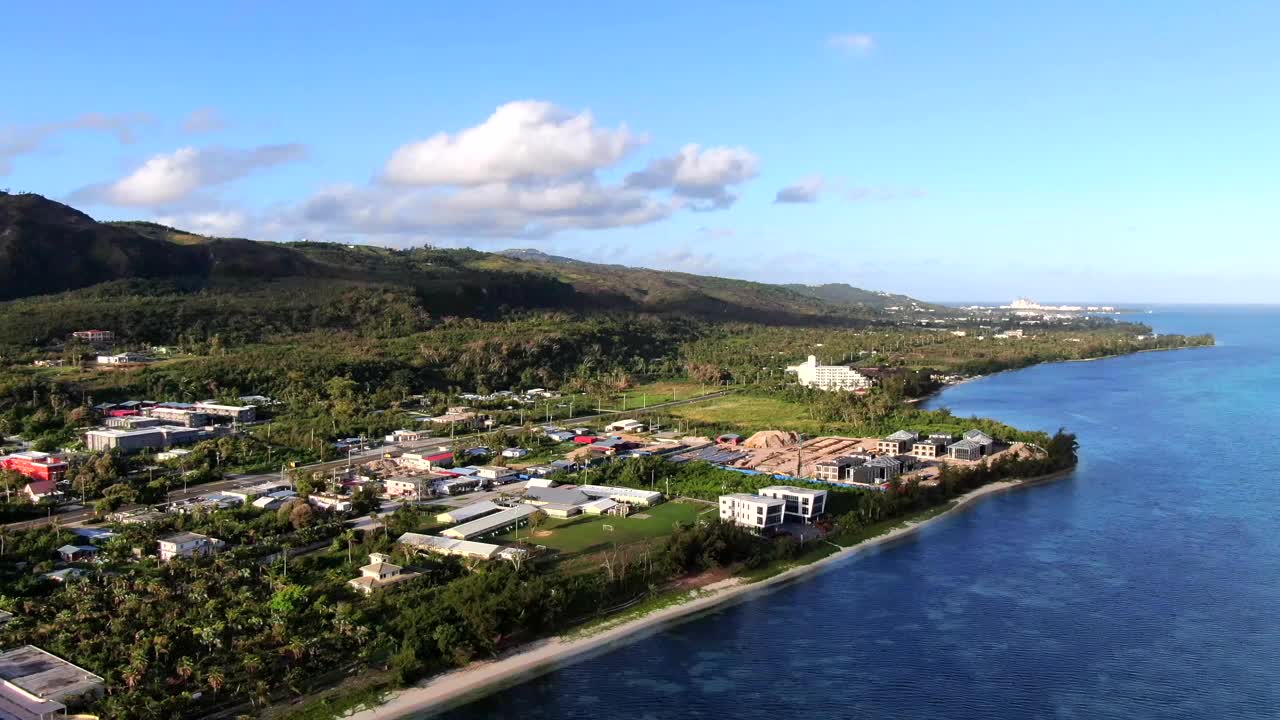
588, 533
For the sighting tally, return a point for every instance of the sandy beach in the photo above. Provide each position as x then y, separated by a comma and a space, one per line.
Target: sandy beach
545, 655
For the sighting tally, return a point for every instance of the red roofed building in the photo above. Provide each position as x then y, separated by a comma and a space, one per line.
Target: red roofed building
36, 465
585, 439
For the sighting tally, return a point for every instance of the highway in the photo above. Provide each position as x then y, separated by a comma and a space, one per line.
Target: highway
231, 482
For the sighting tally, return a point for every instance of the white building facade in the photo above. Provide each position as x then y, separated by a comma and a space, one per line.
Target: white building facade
755, 512
829, 377
802, 504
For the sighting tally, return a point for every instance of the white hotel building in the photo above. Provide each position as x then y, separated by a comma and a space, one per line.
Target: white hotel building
829, 377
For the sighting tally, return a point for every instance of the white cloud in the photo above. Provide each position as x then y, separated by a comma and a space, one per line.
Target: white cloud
496, 210
852, 43
18, 140
521, 141
805, 191
174, 176
215, 223
702, 176
204, 120
530, 170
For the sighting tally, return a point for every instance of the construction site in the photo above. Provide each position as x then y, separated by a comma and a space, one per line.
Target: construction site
786, 453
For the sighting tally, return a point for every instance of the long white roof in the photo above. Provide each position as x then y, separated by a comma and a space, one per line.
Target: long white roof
466, 512
435, 543
615, 492
491, 523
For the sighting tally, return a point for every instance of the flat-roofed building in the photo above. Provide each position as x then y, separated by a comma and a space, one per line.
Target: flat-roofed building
188, 544
149, 438
185, 417
496, 473
408, 487
38, 685
929, 448
491, 524
36, 465
752, 511
94, 336
802, 504
238, 413
837, 468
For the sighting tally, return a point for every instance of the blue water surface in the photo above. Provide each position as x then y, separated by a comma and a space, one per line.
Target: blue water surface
1145, 585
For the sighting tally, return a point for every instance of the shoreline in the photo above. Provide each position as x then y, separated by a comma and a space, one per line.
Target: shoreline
455, 687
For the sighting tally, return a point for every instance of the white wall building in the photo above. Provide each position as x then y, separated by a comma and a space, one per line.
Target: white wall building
829, 377
752, 511
802, 504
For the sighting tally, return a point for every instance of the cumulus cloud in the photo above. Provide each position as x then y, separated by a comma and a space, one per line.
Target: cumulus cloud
495, 210
700, 176
204, 120
174, 176
805, 191
852, 43
521, 141
17, 140
215, 223
530, 170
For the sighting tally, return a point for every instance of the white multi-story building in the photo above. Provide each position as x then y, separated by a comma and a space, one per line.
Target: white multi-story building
752, 511
829, 377
802, 504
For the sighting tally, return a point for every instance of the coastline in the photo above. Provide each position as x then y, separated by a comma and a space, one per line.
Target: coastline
528, 661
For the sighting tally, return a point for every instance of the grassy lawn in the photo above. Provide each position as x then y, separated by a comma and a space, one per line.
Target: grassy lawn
543, 456
747, 414
656, 392
586, 533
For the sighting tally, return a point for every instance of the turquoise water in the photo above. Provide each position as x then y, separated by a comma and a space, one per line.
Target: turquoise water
1142, 586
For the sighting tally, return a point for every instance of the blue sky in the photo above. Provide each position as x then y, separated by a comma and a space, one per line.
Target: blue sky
1059, 150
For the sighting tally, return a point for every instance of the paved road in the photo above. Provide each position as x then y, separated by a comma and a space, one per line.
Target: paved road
73, 517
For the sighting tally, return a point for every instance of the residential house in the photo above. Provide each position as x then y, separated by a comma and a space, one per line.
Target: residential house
42, 491
94, 336
560, 435
379, 574
77, 553
403, 436
188, 544
755, 512
515, 453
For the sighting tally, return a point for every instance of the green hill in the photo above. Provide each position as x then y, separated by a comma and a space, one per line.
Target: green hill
62, 270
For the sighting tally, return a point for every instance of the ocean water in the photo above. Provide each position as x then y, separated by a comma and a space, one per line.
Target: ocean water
1145, 585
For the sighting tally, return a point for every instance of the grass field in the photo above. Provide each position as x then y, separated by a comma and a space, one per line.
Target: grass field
586, 534
653, 393
747, 414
